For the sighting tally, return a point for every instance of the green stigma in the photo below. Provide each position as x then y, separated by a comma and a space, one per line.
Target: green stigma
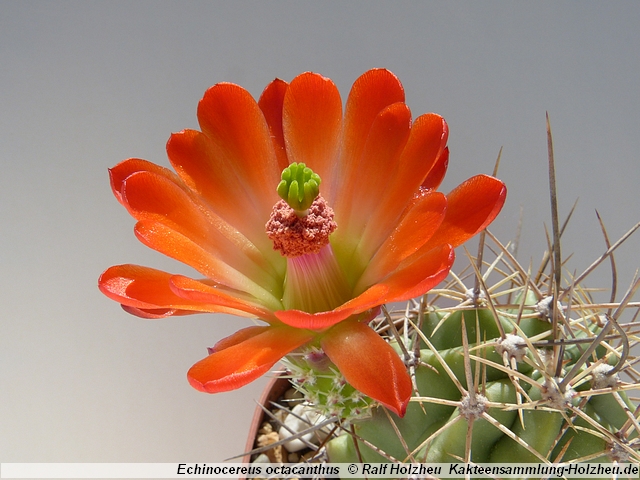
299, 186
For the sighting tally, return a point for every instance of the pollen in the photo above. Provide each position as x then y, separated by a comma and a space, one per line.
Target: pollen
294, 236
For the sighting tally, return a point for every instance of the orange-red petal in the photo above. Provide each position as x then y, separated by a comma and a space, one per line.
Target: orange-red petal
245, 359
420, 222
416, 274
271, 103
198, 291
152, 197
312, 121
126, 168
371, 93
361, 192
426, 142
313, 321
233, 121
207, 171
428, 139
149, 196
175, 245
438, 171
157, 313
146, 289
471, 206
369, 364
387, 137
372, 297
236, 338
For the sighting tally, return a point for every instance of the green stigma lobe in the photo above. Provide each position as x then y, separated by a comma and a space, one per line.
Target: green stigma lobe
299, 186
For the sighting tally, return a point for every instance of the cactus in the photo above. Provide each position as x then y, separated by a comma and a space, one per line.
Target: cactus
502, 372
494, 380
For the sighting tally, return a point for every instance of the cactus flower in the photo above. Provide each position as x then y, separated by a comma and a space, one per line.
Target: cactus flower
301, 216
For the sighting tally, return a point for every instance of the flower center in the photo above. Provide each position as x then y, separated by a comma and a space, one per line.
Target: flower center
299, 227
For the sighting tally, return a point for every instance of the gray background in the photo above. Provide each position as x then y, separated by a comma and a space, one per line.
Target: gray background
84, 85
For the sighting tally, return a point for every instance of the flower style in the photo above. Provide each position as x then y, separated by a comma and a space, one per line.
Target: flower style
314, 269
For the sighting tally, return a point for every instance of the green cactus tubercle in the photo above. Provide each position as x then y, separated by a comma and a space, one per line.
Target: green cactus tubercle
436, 431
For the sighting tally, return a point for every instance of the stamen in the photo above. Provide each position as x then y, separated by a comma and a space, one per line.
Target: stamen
294, 236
